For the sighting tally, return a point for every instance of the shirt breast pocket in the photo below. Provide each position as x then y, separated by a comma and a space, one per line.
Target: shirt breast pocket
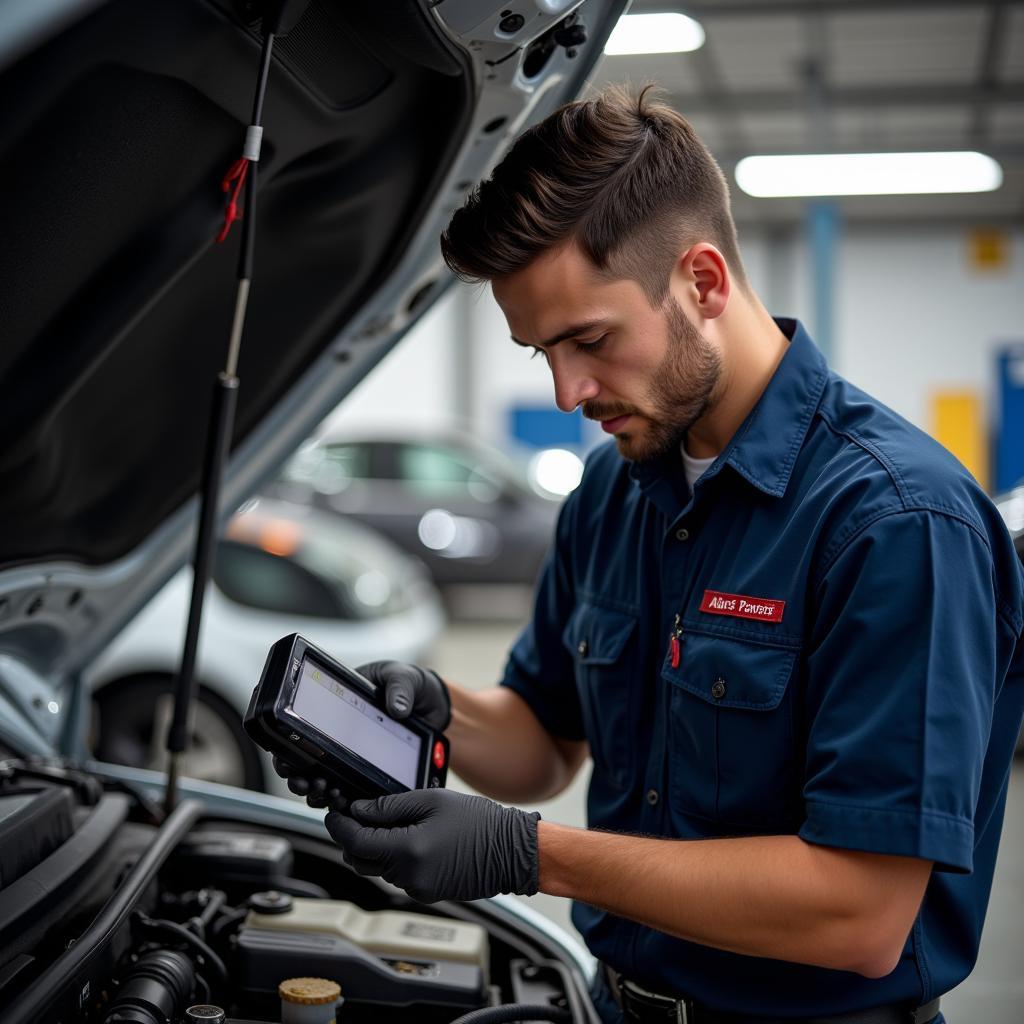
732, 748
602, 644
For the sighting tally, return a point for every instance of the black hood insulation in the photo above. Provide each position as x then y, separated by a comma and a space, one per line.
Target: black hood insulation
116, 302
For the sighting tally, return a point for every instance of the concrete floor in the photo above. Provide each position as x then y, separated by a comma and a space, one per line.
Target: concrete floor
474, 654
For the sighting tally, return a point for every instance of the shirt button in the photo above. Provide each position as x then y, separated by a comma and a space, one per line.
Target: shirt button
581, 650
718, 688
682, 534
652, 796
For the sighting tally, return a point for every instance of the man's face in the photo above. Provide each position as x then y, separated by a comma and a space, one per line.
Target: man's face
646, 374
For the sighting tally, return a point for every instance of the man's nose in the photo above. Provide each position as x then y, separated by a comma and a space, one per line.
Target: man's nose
572, 385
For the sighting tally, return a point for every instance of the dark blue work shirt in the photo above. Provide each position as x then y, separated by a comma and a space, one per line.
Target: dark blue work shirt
848, 605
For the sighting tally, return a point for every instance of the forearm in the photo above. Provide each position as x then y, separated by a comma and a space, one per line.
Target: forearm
767, 896
500, 748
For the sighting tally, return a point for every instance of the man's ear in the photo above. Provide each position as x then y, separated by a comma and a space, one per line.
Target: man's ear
701, 281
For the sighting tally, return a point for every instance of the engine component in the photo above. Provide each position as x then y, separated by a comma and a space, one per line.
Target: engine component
240, 857
35, 899
32, 826
522, 1013
388, 933
265, 958
240, 860
309, 1000
154, 990
545, 982
272, 902
67, 980
204, 1013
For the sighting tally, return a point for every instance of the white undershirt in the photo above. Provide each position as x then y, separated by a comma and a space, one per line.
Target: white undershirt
694, 468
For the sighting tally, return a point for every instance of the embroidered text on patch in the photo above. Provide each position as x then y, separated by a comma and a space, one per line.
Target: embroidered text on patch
739, 606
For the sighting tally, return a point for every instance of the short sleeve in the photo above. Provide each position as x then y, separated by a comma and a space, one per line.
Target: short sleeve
902, 678
539, 667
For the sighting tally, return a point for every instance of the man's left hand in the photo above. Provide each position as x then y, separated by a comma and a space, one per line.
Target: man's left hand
440, 845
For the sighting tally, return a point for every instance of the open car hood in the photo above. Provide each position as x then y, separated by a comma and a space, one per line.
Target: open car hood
122, 119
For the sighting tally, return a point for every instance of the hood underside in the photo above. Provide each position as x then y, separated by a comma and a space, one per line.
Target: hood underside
116, 303
116, 300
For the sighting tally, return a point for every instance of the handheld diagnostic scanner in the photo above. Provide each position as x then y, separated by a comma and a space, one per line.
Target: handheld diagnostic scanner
325, 718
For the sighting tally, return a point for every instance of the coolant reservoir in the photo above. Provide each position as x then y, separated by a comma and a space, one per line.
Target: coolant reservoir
390, 934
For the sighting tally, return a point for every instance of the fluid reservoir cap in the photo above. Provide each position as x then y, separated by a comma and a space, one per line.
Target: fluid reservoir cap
309, 991
271, 902
205, 1013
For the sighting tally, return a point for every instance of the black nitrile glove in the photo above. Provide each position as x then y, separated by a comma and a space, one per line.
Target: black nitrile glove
316, 789
409, 689
440, 845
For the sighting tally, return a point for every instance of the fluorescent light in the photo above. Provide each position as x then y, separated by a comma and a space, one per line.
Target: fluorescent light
868, 174
654, 33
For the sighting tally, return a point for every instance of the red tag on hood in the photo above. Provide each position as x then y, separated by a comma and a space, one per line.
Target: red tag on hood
739, 606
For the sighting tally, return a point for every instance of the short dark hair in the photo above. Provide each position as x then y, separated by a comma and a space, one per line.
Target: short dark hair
622, 174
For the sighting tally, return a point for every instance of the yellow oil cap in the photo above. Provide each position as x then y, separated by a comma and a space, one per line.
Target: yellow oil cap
309, 991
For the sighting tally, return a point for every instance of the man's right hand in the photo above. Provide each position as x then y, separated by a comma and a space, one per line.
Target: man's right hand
408, 689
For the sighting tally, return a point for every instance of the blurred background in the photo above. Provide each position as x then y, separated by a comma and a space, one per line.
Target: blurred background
415, 521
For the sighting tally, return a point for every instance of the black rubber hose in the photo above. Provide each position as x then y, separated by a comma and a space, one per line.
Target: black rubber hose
514, 1012
155, 989
193, 940
213, 906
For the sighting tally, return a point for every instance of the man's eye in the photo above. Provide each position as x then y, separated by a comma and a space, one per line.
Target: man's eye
538, 352
592, 346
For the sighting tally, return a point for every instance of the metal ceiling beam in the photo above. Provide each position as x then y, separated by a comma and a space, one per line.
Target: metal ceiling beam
711, 83
762, 101
989, 65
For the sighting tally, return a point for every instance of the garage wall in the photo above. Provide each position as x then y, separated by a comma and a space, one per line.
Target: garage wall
911, 313
922, 319
911, 317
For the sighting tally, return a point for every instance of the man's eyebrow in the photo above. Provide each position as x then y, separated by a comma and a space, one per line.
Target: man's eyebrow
569, 332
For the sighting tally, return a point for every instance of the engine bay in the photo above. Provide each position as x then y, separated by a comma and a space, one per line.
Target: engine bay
110, 914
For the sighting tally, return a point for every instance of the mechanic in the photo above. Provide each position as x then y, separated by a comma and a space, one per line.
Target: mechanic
780, 619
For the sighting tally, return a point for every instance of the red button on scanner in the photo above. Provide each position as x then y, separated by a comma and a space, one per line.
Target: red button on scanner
439, 754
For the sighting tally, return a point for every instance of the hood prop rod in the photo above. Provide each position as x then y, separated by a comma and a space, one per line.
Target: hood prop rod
218, 438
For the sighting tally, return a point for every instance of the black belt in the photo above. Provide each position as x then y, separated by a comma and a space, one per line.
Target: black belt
640, 1006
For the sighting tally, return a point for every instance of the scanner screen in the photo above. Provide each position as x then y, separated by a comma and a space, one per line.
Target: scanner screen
349, 719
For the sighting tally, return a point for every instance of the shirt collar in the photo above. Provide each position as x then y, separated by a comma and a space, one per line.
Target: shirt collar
764, 448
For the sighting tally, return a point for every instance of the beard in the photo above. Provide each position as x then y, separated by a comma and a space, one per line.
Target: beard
681, 391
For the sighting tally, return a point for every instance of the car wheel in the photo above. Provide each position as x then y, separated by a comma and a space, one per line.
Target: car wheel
133, 717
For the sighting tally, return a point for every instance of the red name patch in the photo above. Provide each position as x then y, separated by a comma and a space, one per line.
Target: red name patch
739, 606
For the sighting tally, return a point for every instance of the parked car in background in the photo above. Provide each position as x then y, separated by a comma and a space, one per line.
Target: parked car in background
461, 506
280, 569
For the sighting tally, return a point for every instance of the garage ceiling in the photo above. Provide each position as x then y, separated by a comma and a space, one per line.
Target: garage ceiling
823, 76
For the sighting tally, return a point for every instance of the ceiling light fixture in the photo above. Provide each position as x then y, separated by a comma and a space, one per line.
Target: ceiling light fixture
654, 33
868, 174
